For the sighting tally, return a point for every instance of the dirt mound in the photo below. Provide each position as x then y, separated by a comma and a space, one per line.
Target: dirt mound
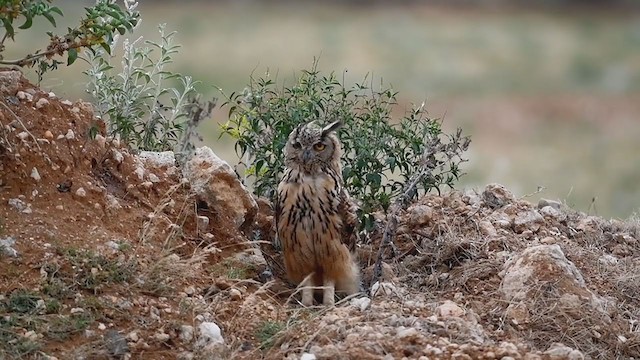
109, 254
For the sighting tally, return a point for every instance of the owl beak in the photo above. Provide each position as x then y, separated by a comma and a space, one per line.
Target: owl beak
306, 155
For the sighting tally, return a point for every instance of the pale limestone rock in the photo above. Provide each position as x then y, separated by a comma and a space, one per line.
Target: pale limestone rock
215, 182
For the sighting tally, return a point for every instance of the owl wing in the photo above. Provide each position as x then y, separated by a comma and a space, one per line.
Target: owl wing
347, 210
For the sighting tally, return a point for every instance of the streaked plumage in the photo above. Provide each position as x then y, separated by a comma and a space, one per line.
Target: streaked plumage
315, 218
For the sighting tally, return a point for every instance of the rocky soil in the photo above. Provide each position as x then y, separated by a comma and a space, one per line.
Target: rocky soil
109, 254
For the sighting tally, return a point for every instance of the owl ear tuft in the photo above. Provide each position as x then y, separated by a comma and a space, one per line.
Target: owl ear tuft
331, 127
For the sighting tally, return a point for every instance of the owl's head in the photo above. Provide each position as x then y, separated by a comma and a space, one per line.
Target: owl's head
313, 148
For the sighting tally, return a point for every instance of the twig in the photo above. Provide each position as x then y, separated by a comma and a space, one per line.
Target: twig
398, 205
22, 124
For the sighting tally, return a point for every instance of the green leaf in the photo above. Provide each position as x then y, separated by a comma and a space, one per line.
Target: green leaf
9, 28
56, 10
106, 47
50, 18
28, 22
72, 56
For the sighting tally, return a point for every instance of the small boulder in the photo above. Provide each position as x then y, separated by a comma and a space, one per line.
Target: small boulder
528, 220
210, 333
558, 351
10, 81
449, 309
497, 196
215, 183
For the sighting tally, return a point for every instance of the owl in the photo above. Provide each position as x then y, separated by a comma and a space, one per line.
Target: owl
316, 220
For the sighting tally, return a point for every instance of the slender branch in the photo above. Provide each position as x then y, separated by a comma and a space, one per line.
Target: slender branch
409, 191
21, 124
27, 60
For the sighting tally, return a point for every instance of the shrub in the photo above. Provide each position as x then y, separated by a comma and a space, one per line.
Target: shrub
97, 29
141, 103
380, 155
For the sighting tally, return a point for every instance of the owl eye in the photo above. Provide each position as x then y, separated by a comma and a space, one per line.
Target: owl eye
297, 145
318, 147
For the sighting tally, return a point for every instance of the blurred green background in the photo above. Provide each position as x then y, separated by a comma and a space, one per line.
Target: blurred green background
550, 94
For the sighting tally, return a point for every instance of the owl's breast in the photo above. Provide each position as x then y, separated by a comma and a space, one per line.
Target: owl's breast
308, 211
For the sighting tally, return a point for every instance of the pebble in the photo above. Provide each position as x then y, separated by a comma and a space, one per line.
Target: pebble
24, 96
449, 309
42, 102
102, 141
361, 303
6, 245
70, 135
117, 156
186, 333
23, 135
210, 333
235, 294
66, 102
133, 336
81, 192
35, 174
162, 337
48, 135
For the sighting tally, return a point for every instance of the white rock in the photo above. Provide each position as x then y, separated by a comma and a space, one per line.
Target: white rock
449, 309
133, 336
608, 260
186, 333
553, 212
384, 288
158, 159
101, 326
497, 196
6, 246
35, 174
528, 220
66, 102
42, 102
307, 356
117, 156
51, 95
102, 141
77, 311
81, 192
139, 171
210, 333
112, 202
20, 205
542, 203
235, 294
70, 135
23, 135
545, 264
162, 337
409, 332
487, 228
24, 96
361, 303
202, 222
10, 81
153, 178
560, 351
420, 215
215, 182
